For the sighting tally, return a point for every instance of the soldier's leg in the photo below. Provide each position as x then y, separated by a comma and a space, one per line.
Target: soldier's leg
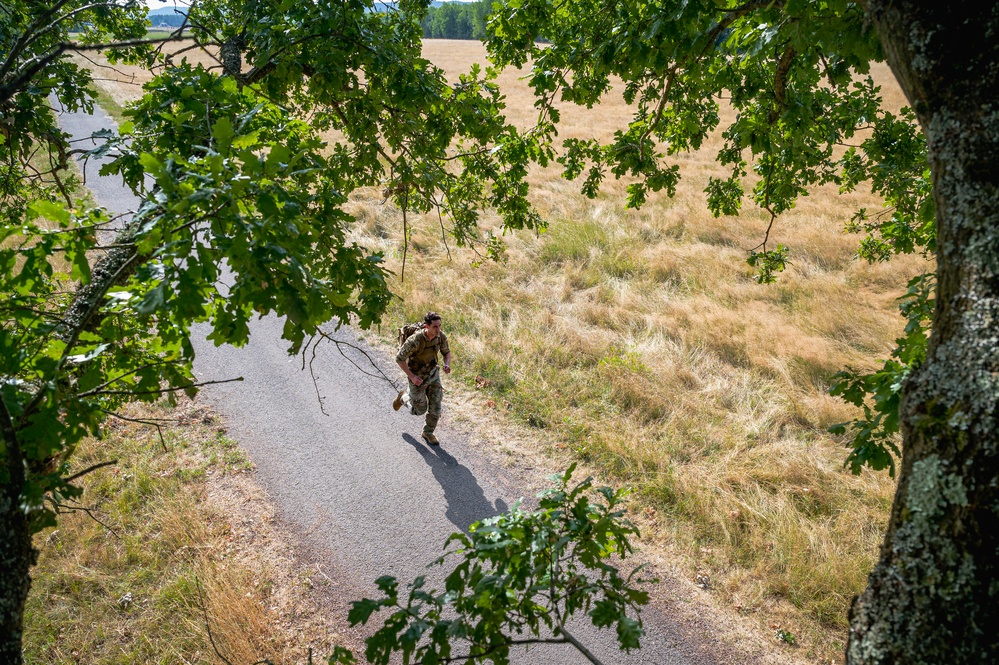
418, 398
435, 400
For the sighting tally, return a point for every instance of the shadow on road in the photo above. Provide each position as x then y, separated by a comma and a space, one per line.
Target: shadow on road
466, 502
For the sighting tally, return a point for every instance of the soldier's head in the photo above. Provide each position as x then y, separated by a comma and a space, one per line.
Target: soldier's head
433, 323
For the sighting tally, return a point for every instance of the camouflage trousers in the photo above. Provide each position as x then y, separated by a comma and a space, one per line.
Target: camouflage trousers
427, 398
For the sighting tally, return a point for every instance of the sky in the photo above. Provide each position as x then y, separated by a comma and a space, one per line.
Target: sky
159, 4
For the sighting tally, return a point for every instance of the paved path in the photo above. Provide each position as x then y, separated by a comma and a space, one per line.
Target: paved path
358, 486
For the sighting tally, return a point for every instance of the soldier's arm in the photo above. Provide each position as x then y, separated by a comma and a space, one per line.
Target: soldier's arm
404, 353
408, 372
446, 350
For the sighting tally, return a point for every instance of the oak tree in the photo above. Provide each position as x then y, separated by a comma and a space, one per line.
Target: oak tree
96, 311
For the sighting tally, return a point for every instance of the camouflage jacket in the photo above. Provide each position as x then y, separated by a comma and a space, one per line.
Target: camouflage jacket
421, 354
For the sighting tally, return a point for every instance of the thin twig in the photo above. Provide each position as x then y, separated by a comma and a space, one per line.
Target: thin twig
160, 391
508, 643
405, 243
90, 469
440, 219
768, 207
89, 512
315, 381
339, 343
766, 236
204, 610
147, 421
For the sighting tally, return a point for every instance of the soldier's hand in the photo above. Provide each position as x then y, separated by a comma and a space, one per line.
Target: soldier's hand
447, 369
417, 381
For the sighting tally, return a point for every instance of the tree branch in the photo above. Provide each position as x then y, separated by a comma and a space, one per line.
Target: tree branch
780, 84
159, 391
579, 645
340, 343
38, 63
28, 35
88, 511
90, 469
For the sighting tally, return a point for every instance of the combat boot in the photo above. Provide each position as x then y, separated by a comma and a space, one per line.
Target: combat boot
431, 439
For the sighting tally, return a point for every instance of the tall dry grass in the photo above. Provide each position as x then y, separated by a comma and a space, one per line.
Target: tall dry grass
639, 341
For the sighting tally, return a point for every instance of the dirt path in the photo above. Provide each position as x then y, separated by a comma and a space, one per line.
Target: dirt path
358, 487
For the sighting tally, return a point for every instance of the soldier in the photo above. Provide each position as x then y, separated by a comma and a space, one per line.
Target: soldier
418, 359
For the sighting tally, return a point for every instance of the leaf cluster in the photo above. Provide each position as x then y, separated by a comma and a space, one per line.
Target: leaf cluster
807, 113
796, 73
429, 144
516, 579
878, 394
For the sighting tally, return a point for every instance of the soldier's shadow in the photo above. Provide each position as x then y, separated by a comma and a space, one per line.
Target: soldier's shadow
466, 502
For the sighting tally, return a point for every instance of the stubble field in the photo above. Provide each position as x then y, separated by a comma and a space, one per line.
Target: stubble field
638, 343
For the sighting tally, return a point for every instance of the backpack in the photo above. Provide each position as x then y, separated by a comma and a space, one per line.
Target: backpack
408, 330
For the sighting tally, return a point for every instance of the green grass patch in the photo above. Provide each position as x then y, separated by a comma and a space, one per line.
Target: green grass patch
107, 102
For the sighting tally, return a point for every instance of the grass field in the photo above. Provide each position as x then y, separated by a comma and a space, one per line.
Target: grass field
638, 342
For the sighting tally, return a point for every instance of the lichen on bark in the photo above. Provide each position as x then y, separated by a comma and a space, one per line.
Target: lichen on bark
934, 595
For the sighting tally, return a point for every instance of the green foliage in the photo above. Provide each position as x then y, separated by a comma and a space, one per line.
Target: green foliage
768, 262
228, 178
785, 636
256, 178
242, 206
875, 434
797, 75
894, 160
517, 578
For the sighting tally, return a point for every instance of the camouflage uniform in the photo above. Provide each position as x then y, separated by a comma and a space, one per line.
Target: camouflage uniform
421, 355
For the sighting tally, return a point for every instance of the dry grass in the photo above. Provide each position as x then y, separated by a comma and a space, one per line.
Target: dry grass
186, 544
639, 341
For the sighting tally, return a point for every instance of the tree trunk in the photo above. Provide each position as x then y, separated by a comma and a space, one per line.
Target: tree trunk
17, 553
17, 556
934, 595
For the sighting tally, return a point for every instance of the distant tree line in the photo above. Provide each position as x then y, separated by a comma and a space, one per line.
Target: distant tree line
457, 20
172, 19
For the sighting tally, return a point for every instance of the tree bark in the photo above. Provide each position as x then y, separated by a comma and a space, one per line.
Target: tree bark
934, 595
17, 556
17, 552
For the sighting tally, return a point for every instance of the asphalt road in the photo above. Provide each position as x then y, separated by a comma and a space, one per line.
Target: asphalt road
358, 486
